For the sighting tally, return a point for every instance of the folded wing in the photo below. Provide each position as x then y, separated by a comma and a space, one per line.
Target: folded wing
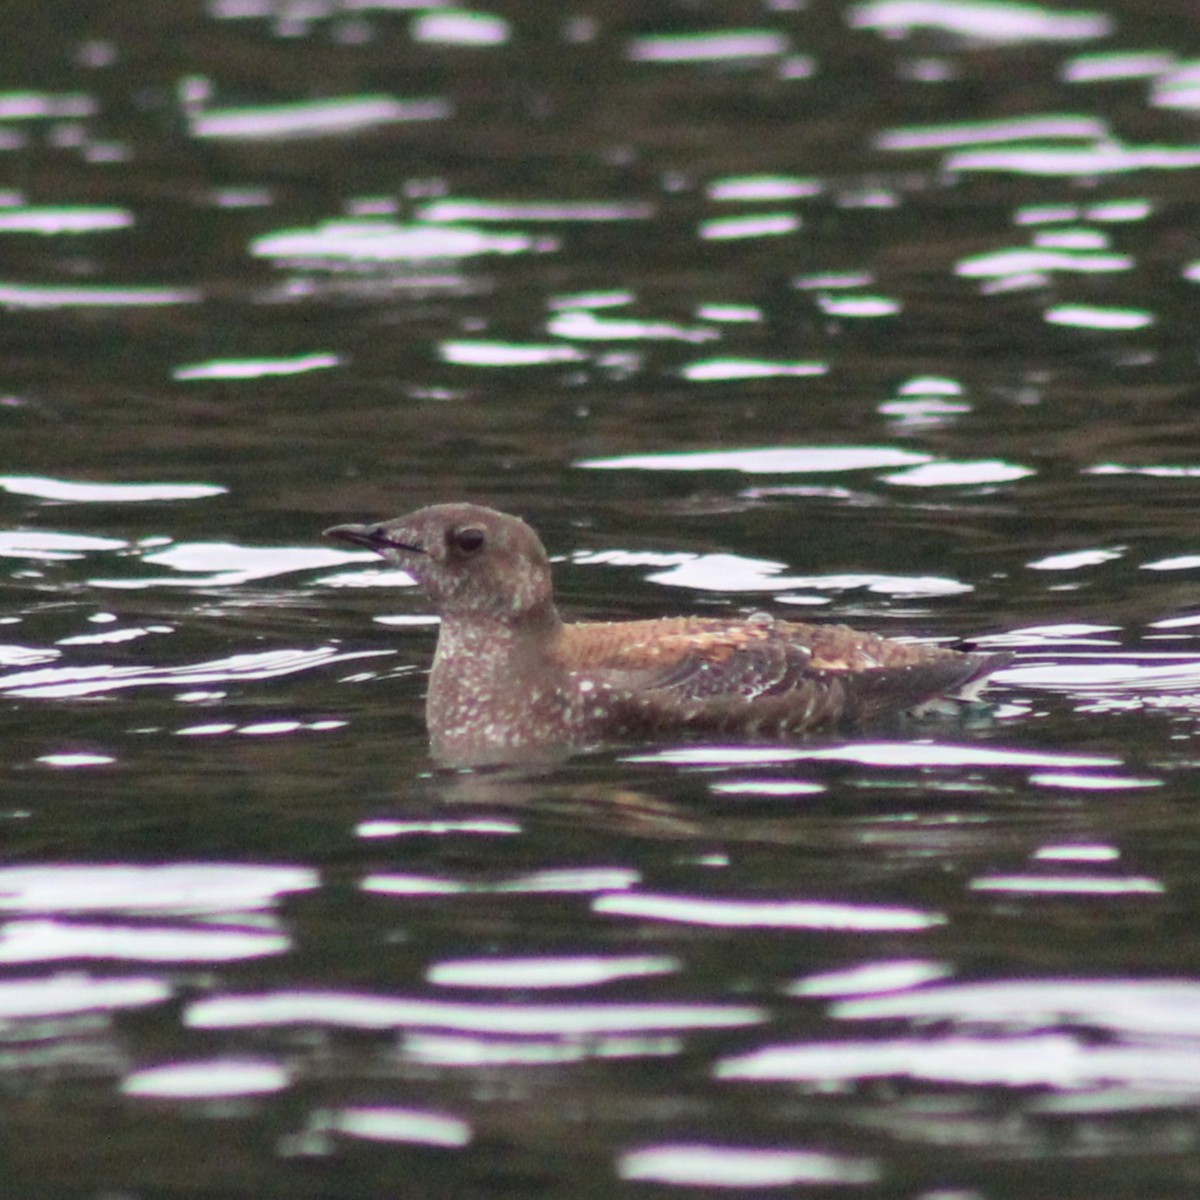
772, 677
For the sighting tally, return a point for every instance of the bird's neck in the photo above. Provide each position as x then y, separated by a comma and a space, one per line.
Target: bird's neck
507, 641
490, 676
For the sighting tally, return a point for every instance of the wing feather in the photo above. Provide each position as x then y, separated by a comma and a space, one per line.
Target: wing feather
764, 677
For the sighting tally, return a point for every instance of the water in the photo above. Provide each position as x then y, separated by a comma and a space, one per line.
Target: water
876, 312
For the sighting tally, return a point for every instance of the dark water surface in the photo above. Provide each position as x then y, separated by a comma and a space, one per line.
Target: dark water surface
883, 312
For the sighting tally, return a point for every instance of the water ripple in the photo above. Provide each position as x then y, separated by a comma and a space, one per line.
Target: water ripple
345, 243
981, 20
1131, 1007
76, 492
173, 888
313, 118
1056, 1061
67, 994
408, 1125
357, 1011
208, 1079
59, 682
48, 941
701, 1165
548, 972
731, 913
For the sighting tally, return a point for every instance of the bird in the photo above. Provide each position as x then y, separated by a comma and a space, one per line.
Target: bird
512, 681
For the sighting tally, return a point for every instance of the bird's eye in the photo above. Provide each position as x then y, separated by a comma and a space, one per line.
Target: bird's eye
468, 540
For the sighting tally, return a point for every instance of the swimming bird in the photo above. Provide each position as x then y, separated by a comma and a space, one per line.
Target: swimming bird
512, 681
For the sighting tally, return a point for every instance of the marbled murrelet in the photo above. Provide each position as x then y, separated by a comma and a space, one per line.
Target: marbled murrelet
511, 680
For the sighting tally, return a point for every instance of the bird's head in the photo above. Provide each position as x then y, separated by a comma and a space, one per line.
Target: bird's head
471, 561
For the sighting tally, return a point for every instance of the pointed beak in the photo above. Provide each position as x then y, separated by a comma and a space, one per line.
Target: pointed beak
356, 535
379, 537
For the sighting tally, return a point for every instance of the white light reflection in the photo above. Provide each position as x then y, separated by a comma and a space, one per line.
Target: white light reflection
1072, 560
1188, 622
713, 1166
979, 133
414, 885
68, 993
875, 754
71, 491
379, 577
774, 460
770, 188
34, 106
114, 637
1069, 633
719, 45
612, 299
566, 880
70, 761
583, 325
48, 546
960, 474
1078, 852
313, 118
1180, 562
212, 1079
1045, 214
223, 564
716, 370
872, 978
1109, 158
26, 656
44, 296
922, 411
57, 682
1116, 64
719, 755
535, 211
749, 226
384, 828
1151, 472
1177, 89
1022, 261
981, 20
590, 971
1042, 1060
373, 242
766, 914
456, 27
380, 1124
1095, 316
350, 1011
173, 888
456, 1050
1131, 1007
1069, 885
1119, 682
1090, 783
479, 353
733, 573
830, 280
858, 307
1119, 210
768, 787
727, 573
256, 368
270, 728
1071, 238
731, 313
65, 219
